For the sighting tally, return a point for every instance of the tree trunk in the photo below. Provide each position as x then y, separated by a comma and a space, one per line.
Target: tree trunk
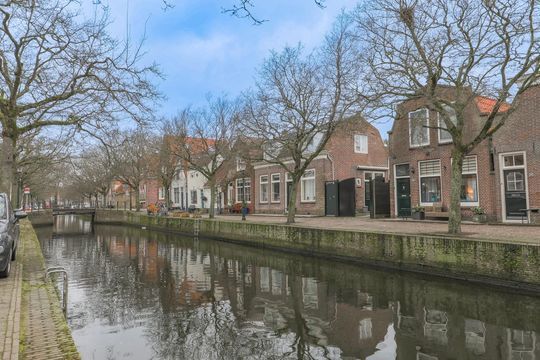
7, 180
454, 218
212, 210
138, 200
291, 206
167, 189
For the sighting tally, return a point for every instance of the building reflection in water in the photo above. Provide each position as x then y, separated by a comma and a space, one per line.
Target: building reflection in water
204, 299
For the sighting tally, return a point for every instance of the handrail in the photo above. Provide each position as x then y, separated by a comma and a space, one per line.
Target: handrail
60, 270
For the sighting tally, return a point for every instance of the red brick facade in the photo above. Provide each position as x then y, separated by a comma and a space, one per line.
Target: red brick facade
520, 134
338, 161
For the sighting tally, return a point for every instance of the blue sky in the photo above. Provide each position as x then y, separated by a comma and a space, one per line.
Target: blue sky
200, 50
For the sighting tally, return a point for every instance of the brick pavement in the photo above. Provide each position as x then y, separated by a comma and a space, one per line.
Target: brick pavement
46, 334
10, 313
529, 234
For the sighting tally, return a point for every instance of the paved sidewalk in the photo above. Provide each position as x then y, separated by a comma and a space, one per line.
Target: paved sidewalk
503, 233
10, 313
46, 334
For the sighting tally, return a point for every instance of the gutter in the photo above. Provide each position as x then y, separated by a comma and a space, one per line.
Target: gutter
329, 157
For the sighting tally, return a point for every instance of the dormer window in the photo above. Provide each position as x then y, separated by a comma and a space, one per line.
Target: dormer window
418, 128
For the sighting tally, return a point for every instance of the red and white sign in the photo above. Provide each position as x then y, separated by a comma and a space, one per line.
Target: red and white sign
26, 190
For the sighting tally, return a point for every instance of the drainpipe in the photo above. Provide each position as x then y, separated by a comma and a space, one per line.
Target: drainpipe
331, 159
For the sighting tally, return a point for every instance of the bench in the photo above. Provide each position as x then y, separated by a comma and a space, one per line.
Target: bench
436, 212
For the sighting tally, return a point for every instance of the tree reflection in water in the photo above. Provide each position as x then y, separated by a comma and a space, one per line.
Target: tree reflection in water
141, 295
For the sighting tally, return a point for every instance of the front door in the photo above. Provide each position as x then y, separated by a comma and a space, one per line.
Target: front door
347, 197
403, 196
514, 193
331, 198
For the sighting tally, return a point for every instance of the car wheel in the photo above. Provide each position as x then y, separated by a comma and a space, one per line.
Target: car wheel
5, 273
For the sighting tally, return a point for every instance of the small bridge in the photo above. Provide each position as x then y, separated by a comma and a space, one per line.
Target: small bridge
77, 211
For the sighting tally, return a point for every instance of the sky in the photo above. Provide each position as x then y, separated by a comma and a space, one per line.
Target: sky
201, 50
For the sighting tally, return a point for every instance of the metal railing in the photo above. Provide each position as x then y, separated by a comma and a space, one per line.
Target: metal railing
61, 270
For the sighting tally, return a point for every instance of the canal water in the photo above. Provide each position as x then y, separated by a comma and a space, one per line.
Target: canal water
136, 294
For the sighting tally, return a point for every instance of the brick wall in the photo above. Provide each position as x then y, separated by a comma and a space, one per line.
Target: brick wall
400, 152
338, 161
521, 133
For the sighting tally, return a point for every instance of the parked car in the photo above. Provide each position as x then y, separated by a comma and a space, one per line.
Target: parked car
9, 234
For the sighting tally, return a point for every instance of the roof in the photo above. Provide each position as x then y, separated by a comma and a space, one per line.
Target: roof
485, 105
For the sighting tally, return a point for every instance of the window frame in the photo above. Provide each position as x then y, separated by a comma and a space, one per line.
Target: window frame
358, 136
411, 145
261, 183
272, 182
243, 190
440, 129
302, 179
477, 202
193, 197
420, 176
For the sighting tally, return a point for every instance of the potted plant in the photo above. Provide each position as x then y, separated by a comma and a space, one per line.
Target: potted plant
418, 212
479, 215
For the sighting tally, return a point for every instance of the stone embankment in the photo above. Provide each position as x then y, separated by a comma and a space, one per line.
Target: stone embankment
513, 265
32, 325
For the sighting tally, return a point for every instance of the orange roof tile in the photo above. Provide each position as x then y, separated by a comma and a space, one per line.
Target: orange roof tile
485, 105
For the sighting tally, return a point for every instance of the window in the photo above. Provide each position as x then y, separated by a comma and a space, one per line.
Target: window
243, 190
430, 181
161, 193
364, 329
514, 160
418, 128
264, 188
193, 196
402, 170
307, 185
469, 184
240, 164
176, 195
314, 143
361, 144
515, 181
444, 136
276, 180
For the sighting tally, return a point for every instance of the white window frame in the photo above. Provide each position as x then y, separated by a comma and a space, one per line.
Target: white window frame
360, 150
272, 182
440, 124
314, 178
244, 190
429, 176
261, 183
161, 193
424, 127
240, 164
477, 202
502, 167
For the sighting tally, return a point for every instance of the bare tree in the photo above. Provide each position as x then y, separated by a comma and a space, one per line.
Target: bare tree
244, 9
300, 99
59, 70
133, 160
168, 160
204, 139
475, 47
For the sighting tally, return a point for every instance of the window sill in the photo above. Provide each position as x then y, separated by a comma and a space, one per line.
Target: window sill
263, 202
469, 204
445, 142
308, 201
418, 146
275, 202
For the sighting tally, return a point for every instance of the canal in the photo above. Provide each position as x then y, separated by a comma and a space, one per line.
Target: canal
137, 294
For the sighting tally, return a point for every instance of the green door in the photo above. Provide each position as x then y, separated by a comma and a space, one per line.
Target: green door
403, 195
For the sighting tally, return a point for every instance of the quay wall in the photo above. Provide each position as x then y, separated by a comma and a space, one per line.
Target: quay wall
41, 217
512, 265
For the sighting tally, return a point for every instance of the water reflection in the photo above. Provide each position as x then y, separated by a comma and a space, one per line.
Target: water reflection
142, 295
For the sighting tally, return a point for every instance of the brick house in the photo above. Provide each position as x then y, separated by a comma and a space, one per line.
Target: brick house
516, 149
355, 150
420, 158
